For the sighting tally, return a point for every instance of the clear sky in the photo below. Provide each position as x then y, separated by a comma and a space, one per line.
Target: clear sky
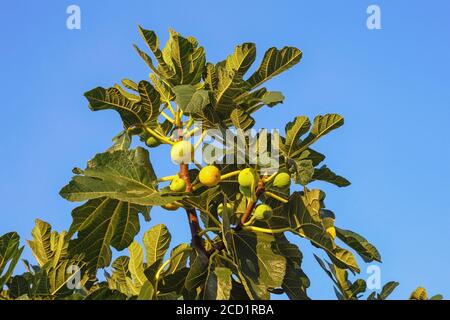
391, 85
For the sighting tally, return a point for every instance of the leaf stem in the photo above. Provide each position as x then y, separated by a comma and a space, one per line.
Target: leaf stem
251, 205
167, 178
169, 106
159, 137
274, 196
267, 179
230, 174
167, 117
264, 230
192, 132
200, 140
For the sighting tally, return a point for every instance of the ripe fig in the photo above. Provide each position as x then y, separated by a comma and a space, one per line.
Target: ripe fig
182, 152
209, 176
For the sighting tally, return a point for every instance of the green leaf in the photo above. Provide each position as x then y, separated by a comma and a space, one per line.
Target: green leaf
203, 203
173, 282
241, 59
106, 294
325, 174
218, 283
150, 102
136, 264
18, 286
310, 154
10, 253
322, 125
388, 288
274, 62
101, 223
261, 265
230, 86
301, 214
121, 277
178, 258
164, 90
197, 273
303, 171
366, 250
191, 100
295, 281
147, 291
419, 294
358, 287
294, 130
163, 69
241, 119
230, 82
41, 243
185, 58
143, 112
125, 175
130, 84
156, 242
121, 142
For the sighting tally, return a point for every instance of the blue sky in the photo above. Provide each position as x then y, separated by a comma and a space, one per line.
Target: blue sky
391, 85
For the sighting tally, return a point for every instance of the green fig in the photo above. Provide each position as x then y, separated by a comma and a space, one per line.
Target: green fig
178, 185
263, 212
247, 178
282, 180
152, 142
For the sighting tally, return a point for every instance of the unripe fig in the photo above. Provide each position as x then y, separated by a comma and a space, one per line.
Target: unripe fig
171, 206
209, 176
182, 152
152, 142
228, 208
263, 212
247, 178
331, 231
282, 180
178, 185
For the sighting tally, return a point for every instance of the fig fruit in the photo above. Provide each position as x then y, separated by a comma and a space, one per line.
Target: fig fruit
152, 142
282, 180
178, 185
209, 176
171, 206
182, 152
263, 212
247, 178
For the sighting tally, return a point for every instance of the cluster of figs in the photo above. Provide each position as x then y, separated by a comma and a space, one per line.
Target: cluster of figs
210, 176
